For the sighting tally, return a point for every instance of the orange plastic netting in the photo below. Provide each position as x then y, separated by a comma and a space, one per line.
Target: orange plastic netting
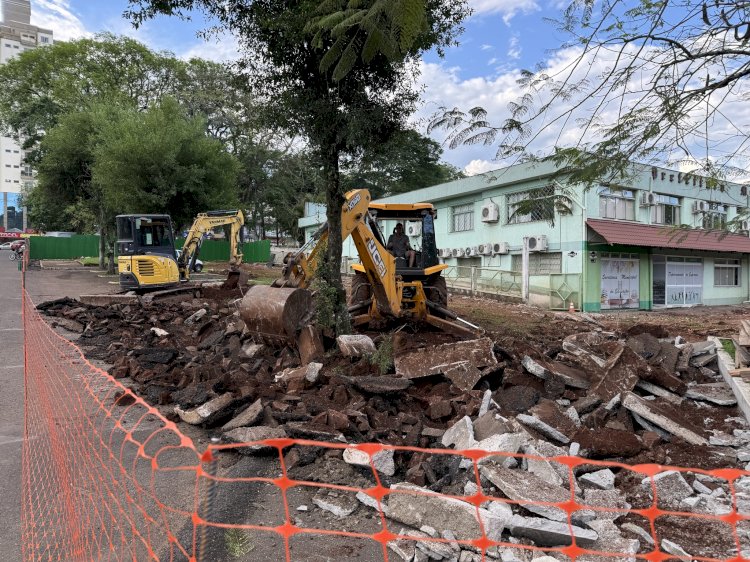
107, 477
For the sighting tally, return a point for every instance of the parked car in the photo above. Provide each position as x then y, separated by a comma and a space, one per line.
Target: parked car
6, 245
197, 268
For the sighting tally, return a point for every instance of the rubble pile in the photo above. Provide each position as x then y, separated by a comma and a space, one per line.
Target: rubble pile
638, 397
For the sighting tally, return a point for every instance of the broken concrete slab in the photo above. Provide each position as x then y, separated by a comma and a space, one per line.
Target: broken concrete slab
489, 424
382, 460
543, 468
463, 374
612, 503
671, 488
341, 504
659, 391
617, 375
438, 359
546, 430
638, 531
700, 348
108, 300
208, 412
718, 393
582, 345
575, 378
601, 479
673, 548
658, 416
250, 350
377, 385
405, 549
409, 505
309, 373
460, 435
529, 490
611, 540
252, 435
369, 501
196, 317
551, 533
249, 416
508, 443
355, 345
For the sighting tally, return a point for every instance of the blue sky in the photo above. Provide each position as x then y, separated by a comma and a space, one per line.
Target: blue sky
501, 37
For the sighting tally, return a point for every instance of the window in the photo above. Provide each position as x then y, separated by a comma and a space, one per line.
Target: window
617, 204
666, 210
716, 217
538, 205
7, 150
726, 272
542, 263
462, 218
44, 39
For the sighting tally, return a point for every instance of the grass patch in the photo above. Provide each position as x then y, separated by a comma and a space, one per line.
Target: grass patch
89, 262
382, 359
237, 542
728, 346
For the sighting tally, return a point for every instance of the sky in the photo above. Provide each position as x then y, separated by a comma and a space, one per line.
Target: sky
500, 38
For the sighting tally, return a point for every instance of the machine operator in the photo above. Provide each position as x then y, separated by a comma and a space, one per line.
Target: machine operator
398, 245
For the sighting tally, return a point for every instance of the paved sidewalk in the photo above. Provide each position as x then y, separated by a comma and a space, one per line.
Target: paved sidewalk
11, 407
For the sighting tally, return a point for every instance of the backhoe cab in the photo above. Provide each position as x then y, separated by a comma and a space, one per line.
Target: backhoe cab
146, 254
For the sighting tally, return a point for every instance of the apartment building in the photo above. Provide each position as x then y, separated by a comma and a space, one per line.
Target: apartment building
648, 243
16, 36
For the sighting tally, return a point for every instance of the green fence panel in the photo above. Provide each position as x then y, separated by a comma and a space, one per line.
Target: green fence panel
55, 248
218, 250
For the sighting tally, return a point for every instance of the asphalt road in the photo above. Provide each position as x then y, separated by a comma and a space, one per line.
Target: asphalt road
11, 408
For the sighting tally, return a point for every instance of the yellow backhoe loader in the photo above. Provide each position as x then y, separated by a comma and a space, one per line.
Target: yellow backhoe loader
383, 286
146, 254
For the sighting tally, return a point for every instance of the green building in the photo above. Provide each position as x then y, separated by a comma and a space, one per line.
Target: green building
610, 247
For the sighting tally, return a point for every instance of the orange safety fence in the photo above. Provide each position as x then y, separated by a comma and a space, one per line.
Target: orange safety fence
107, 477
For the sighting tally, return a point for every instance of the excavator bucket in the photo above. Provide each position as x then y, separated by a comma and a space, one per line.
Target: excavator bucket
276, 314
235, 278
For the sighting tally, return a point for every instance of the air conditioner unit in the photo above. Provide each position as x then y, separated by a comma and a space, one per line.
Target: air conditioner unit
458, 252
490, 212
485, 249
700, 207
648, 199
444, 252
413, 228
499, 248
537, 243
473, 251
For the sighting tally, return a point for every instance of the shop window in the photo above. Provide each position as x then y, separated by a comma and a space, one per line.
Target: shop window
531, 206
462, 218
666, 210
726, 272
617, 204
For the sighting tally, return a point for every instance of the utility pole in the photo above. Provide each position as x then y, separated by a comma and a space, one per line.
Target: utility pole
525, 270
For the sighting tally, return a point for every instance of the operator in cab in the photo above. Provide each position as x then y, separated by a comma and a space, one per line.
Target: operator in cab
399, 246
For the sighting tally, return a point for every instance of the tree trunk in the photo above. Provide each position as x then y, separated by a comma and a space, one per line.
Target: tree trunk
334, 201
102, 243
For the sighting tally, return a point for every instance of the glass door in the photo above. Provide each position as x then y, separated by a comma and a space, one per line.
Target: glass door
684, 281
620, 281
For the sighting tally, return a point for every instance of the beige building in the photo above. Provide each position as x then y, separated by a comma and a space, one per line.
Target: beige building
16, 36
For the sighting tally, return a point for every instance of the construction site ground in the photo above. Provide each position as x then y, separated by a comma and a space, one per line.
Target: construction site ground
430, 407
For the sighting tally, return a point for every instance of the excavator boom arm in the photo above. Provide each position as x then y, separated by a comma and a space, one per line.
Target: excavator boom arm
202, 224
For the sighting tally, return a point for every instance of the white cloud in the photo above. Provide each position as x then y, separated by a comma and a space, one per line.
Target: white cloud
514, 48
58, 16
223, 48
492, 61
476, 167
507, 8
486, 47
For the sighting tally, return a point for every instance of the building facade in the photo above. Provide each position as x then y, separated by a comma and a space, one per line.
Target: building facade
16, 36
604, 248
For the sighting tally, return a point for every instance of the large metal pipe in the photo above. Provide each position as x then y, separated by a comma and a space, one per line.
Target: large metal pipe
276, 313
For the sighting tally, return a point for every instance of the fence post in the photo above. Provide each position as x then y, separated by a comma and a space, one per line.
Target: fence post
473, 280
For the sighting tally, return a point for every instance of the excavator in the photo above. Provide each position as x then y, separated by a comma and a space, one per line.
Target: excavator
146, 254
384, 287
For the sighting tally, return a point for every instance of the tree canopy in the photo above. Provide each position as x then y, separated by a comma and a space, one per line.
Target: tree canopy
655, 82
340, 108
